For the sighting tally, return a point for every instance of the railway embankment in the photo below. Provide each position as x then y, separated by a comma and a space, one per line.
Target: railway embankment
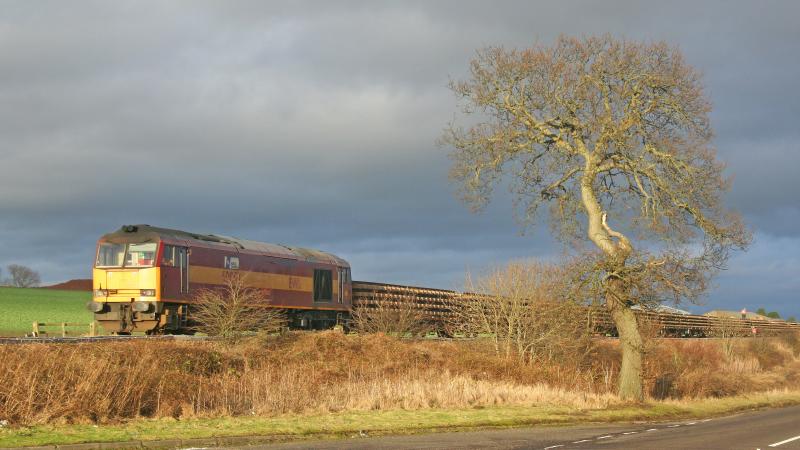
328, 383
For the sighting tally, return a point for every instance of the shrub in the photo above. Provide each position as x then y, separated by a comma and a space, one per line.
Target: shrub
235, 309
523, 308
398, 318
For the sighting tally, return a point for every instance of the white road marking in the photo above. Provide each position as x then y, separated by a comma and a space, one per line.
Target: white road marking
691, 423
554, 446
674, 426
606, 436
584, 440
632, 432
652, 429
705, 420
784, 442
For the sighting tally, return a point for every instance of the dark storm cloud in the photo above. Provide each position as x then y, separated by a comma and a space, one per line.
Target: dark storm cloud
314, 123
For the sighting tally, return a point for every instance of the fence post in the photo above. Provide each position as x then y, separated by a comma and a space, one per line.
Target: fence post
93, 329
35, 329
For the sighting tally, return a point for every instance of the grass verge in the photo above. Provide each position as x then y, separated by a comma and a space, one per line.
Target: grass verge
290, 427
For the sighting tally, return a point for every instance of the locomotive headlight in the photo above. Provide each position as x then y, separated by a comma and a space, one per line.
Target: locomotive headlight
148, 292
101, 293
95, 307
141, 307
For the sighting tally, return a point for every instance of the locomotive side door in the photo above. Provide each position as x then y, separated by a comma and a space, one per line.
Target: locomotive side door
340, 277
344, 285
174, 273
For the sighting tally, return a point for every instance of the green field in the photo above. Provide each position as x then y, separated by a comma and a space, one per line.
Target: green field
20, 307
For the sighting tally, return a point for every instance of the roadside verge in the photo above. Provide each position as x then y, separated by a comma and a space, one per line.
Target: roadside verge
200, 432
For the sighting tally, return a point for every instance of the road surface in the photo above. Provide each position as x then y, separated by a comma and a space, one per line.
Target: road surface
777, 429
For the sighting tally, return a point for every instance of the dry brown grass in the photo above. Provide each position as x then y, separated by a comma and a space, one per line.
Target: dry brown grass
306, 373
721, 367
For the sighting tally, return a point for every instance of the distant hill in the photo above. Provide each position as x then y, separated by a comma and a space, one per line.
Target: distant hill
73, 285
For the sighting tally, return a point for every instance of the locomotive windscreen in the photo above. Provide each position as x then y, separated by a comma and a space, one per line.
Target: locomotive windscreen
111, 254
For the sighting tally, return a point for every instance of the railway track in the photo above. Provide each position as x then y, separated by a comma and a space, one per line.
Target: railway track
96, 339
438, 306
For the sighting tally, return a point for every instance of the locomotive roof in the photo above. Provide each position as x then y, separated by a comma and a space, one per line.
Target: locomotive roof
146, 233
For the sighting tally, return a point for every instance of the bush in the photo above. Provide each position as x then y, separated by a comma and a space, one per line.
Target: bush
234, 310
398, 318
522, 308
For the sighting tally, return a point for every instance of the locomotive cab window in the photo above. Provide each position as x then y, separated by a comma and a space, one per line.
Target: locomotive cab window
110, 255
168, 256
323, 285
125, 255
140, 255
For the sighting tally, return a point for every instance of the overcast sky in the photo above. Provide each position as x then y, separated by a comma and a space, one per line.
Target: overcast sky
314, 124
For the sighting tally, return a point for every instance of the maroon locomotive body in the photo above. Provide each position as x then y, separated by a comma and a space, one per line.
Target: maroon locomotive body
146, 278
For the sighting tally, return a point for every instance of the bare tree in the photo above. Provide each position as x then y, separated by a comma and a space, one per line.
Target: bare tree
727, 330
22, 276
235, 309
614, 137
391, 317
522, 308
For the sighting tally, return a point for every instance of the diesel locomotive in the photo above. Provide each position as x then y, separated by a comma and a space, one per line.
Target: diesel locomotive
145, 278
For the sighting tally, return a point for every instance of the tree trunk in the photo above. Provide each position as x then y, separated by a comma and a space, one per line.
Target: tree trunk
630, 372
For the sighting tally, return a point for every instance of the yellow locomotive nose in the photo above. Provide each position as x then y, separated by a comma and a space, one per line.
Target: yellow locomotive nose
126, 284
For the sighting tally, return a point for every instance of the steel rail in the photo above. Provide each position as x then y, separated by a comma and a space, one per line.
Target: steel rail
96, 339
438, 305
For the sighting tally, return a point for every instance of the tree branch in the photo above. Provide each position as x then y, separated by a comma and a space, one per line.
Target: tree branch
624, 244
547, 192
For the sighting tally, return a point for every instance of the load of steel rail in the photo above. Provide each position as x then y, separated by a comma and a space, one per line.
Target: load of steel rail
438, 306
